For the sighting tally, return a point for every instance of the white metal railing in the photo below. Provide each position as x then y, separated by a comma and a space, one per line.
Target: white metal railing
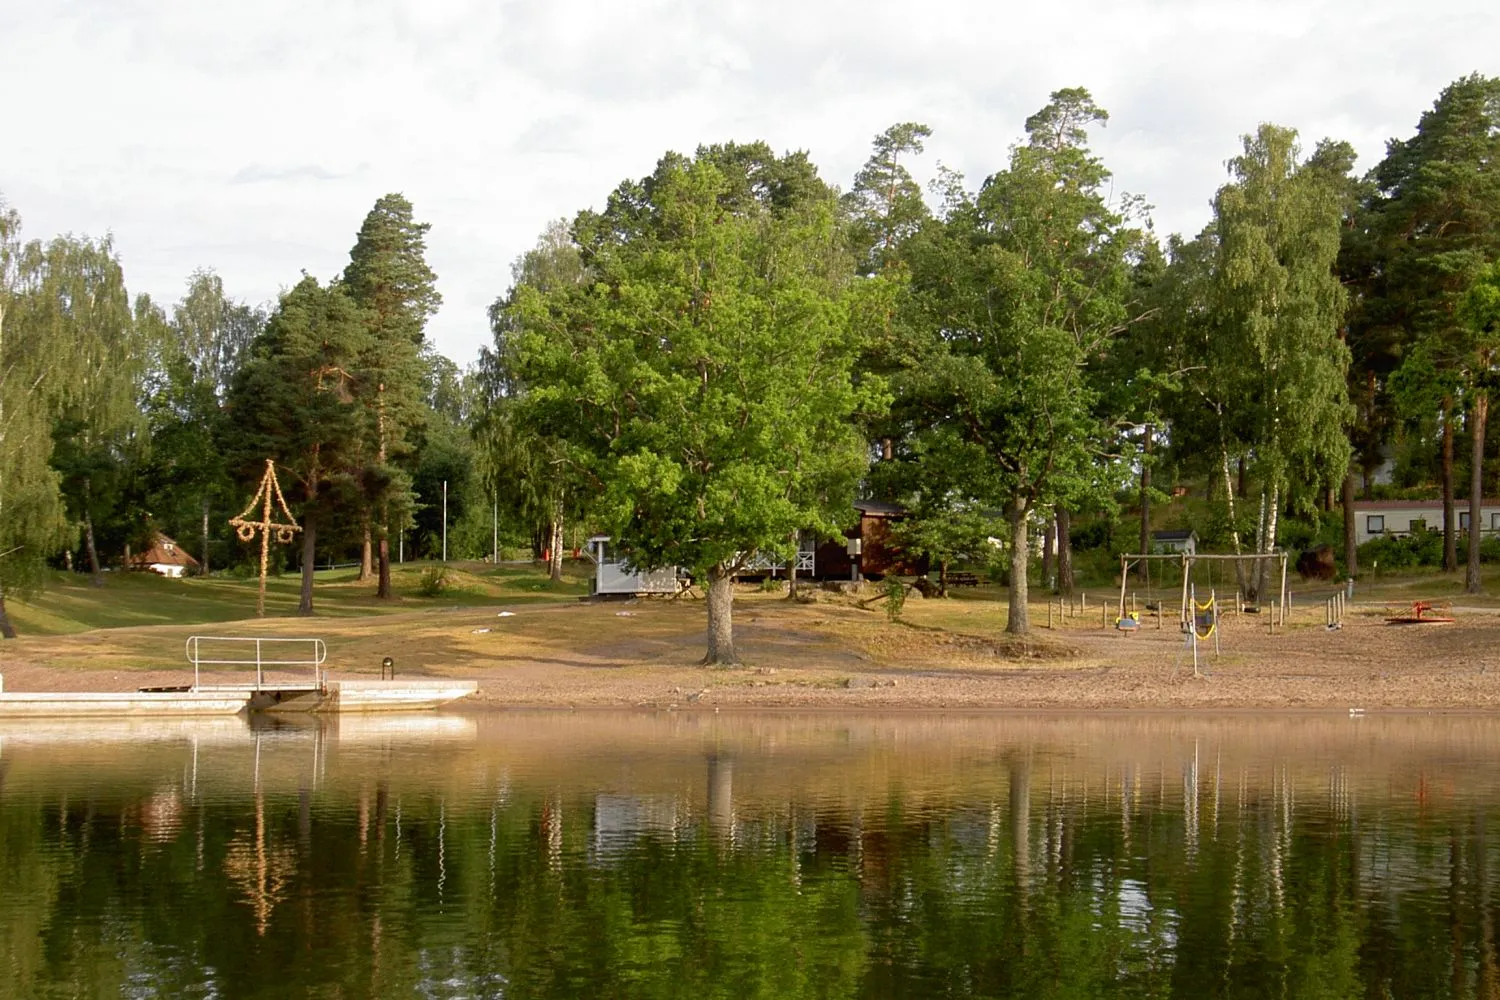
260, 661
806, 559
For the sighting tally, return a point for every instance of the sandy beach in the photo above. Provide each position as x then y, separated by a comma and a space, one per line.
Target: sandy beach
832, 654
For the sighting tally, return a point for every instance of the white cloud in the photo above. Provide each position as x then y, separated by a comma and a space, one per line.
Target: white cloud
254, 137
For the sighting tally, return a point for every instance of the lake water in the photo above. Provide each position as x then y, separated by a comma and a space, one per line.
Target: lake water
752, 855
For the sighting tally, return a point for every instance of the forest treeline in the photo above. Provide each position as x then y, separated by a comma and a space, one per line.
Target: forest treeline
731, 348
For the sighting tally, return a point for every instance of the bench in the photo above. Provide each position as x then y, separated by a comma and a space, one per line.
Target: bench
962, 579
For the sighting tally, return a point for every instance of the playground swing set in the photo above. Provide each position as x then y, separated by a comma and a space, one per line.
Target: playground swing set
1198, 620
1129, 618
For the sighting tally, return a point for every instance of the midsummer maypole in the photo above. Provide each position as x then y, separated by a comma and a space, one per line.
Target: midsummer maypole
270, 490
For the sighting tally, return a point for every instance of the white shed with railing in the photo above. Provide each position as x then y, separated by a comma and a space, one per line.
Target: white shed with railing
614, 576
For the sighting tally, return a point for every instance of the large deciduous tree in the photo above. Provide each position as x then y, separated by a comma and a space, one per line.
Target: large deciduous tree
33, 522
83, 303
526, 470
194, 358
1019, 287
1279, 307
703, 376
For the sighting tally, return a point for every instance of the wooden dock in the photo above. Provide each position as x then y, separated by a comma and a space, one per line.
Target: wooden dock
312, 691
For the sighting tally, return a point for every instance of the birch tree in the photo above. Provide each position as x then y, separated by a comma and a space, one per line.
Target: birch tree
33, 367
1279, 306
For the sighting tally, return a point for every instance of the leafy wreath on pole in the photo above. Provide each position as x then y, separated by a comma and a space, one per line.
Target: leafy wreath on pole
269, 492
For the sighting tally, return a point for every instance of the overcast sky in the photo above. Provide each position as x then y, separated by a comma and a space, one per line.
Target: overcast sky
253, 137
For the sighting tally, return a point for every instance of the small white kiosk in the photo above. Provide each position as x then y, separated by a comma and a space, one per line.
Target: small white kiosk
615, 576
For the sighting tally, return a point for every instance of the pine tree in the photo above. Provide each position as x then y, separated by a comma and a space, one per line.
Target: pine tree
295, 400
388, 277
1428, 223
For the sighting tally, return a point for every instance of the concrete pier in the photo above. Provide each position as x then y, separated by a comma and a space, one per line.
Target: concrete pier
52, 704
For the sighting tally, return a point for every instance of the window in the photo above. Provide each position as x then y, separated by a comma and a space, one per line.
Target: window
1463, 520
1375, 524
1417, 524
1494, 521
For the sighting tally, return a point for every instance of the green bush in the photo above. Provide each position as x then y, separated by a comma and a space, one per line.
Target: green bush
1395, 553
434, 582
895, 597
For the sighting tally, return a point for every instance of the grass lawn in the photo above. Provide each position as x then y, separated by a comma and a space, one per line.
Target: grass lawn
68, 604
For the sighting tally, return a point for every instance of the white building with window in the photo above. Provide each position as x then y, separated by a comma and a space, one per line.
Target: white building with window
614, 576
1373, 518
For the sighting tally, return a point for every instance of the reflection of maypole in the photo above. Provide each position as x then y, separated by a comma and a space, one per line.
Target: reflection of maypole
269, 489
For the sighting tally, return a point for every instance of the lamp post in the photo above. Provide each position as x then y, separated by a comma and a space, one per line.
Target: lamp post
856, 549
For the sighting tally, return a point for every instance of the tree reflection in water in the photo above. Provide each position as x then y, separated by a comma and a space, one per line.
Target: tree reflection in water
644, 856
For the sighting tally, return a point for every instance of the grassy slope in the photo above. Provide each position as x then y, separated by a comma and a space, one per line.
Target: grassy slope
69, 604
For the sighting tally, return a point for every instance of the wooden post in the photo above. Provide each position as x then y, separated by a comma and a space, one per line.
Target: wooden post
1193, 627
1186, 614
1213, 603
1049, 612
1284, 594
1124, 575
1103, 615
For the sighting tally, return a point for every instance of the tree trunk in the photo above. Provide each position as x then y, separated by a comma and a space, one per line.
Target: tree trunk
720, 619
366, 555
7, 630
203, 567
1450, 516
554, 563
1478, 418
942, 578
887, 450
1049, 548
1244, 485
1064, 551
96, 576
383, 588
1234, 529
791, 573
1268, 538
1146, 502
1017, 621
309, 562
1351, 529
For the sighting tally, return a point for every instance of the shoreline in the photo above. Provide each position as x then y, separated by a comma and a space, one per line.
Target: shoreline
946, 656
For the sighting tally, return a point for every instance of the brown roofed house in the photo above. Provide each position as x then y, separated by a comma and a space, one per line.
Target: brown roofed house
165, 557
